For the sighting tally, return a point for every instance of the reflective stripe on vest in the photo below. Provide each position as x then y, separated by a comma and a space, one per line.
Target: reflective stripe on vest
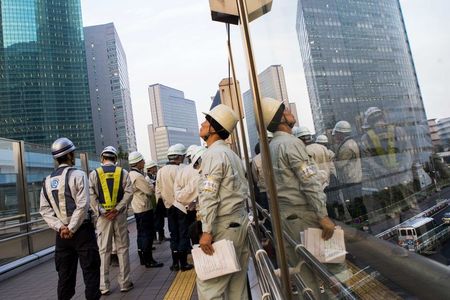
389, 159
58, 183
110, 200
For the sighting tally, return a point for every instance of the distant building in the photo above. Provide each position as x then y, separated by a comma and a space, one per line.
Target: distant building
44, 90
174, 120
435, 138
356, 55
271, 84
109, 89
443, 127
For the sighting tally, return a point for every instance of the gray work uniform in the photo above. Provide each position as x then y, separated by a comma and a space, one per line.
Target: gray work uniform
223, 191
112, 233
301, 198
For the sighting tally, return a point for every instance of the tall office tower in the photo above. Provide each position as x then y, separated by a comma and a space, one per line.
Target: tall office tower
44, 91
271, 84
174, 120
109, 88
356, 54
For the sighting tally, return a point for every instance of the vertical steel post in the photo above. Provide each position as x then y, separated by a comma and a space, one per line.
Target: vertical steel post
267, 165
244, 142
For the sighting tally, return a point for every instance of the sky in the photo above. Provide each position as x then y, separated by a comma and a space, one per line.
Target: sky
176, 43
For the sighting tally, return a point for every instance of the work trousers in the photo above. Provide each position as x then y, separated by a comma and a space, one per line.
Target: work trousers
179, 229
81, 246
230, 286
160, 214
106, 230
145, 230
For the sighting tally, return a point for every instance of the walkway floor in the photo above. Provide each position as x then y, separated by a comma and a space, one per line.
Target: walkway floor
40, 282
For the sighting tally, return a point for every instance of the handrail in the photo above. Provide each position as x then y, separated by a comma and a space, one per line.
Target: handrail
404, 268
267, 269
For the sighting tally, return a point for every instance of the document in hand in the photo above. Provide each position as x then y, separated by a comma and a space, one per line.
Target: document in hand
331, 251
222, 262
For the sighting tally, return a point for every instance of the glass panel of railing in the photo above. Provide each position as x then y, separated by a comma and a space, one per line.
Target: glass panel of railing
12, 213
353, 142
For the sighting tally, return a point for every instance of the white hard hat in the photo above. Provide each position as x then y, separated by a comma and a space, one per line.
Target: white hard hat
150, 164
343, 127
302, 131
225, 116
109, 151
177, 149
322, 139
270, 107
371, 111
197, 153
190, 149
134, 157
61, 147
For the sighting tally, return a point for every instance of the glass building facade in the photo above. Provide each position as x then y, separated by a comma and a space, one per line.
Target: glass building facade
43, 78
356, 55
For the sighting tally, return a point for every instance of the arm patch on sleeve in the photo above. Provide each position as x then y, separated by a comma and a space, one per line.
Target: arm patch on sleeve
210, 185
307, 170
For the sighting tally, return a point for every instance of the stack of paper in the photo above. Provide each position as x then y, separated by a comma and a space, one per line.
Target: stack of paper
222, 262
330, 251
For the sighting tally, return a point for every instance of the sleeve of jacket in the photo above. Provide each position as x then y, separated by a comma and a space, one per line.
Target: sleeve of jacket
209, 185
127, 192
47, 213
93, 195
81, 200
158, 187
306, 172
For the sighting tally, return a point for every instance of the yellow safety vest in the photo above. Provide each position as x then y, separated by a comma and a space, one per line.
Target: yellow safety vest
389, 159
110, 201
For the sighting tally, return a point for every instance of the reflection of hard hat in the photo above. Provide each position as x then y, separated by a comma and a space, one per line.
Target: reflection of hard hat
303, 131
190, 149
150, 164
61, 147
135, 157
197, 154
225, 116
109, 151
271, 110
370, 113
177, 149
342, 127
322, 139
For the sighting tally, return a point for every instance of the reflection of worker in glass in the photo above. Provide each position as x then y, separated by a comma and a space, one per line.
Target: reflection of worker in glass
348, 167
386, 167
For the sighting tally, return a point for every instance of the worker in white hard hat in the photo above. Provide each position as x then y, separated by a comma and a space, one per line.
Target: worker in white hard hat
349, 173
150, 170
179, 242
387, 165
189, 152
186, 194
223, 191
143, 210
111, 192
301, 199
64, 206
159, 210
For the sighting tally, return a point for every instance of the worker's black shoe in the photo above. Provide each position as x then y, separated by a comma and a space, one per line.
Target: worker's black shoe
186, 267
153, 264
175, 267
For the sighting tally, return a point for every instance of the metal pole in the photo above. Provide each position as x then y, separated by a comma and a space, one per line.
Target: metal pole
244, 142
266, 160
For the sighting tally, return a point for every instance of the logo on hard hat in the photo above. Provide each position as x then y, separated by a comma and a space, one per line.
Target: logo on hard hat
54, 183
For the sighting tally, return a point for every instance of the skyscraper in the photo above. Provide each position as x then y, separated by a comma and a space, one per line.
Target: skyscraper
356, 54
43, 79
174, 120
109, 88
271, 84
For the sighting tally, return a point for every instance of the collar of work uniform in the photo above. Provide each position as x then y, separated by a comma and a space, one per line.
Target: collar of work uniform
217, 143
108, 164
62, 166
280, 133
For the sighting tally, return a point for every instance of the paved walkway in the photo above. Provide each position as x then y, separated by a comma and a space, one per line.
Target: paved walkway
40, 282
